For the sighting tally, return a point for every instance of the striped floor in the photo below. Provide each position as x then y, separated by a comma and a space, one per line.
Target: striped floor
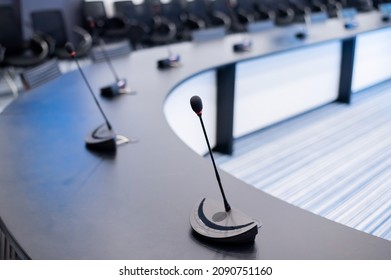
334, 161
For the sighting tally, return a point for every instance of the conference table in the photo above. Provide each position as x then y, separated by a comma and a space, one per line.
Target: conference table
59, 200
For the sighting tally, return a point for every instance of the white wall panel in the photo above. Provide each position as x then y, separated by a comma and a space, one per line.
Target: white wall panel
277, 87
372, 63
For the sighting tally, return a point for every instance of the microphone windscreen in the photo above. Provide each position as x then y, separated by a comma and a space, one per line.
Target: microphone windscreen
196, 104
69, 48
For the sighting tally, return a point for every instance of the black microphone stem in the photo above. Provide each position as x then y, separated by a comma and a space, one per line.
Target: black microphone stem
93, 95
107, 58
226, 204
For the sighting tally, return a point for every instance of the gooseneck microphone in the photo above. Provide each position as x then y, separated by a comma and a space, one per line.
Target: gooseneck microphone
108, 60
196, 105
244, 46
72, 53
347, 15
209, 219
103, 138
385, 10
303, 32
120, 85
172, 61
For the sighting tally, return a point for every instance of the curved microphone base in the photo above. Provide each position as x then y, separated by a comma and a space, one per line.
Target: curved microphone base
115, 89
172, 61
104, 139
352, 24
244, 46
210, 221
301, 34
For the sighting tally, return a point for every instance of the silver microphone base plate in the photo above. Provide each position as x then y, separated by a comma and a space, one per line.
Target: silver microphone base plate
210, 221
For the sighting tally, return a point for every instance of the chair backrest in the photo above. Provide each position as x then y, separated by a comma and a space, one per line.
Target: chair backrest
124, 9
94, 9
144, 12
131, 11
10, 30
50, 22
359, 4
198, 8
172, 10
246, 5
224, 6
267, 4
41, 74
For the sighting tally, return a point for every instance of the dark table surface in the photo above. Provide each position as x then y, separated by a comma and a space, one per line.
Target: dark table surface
61, 201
